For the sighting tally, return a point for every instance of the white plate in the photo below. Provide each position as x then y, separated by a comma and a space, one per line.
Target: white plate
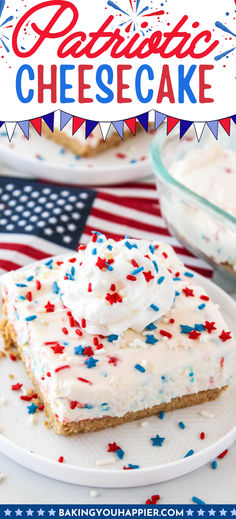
38, 448
42, 158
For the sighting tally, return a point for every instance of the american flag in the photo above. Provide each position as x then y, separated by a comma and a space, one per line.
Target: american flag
38, 219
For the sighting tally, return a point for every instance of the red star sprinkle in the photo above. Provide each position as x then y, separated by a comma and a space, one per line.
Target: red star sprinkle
194, 335
210, 326
225, 336
113, 447
148, 276
49, 307
58, 348
101, 263
88, 351
16, 387
188, 292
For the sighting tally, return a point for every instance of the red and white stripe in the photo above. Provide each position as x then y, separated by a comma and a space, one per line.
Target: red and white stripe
135, 210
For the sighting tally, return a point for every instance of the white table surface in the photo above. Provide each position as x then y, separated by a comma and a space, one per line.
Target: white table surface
22, 486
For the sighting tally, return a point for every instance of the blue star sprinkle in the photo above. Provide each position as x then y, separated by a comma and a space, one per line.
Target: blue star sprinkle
79, 350
32, 408
91, 362
150, 339
157, 441
151, 327
199, 327
185, 328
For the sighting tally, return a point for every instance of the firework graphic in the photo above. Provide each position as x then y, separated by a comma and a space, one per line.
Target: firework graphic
5, 24
135, 15
224, 28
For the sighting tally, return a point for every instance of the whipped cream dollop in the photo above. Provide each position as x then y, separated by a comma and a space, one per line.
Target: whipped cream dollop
112, 286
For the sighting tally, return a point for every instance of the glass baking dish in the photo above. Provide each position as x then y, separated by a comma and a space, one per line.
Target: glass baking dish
205, 229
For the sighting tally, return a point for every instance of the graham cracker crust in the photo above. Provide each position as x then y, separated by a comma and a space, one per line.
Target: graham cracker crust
84, 150
97, 424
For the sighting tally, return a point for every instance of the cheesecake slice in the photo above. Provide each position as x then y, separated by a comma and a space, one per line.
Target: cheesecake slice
116, 332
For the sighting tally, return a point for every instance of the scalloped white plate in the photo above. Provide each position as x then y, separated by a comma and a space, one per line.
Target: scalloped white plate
42, 158
37, 448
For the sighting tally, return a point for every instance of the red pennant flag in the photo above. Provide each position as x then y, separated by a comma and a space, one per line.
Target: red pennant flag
225, 123
131, 123
77, 123
37, 124
171, 123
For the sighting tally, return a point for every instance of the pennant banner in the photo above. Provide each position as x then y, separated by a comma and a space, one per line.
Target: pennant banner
143, 120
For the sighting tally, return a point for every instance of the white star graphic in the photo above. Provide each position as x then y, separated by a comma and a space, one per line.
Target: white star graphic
211, 512
222, 512
18, 512
233, 512
40, 512
29, 512
52, 512
189, 512
7, 512
201, 512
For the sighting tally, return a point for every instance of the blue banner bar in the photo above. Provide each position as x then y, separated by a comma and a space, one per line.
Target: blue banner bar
123, 511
